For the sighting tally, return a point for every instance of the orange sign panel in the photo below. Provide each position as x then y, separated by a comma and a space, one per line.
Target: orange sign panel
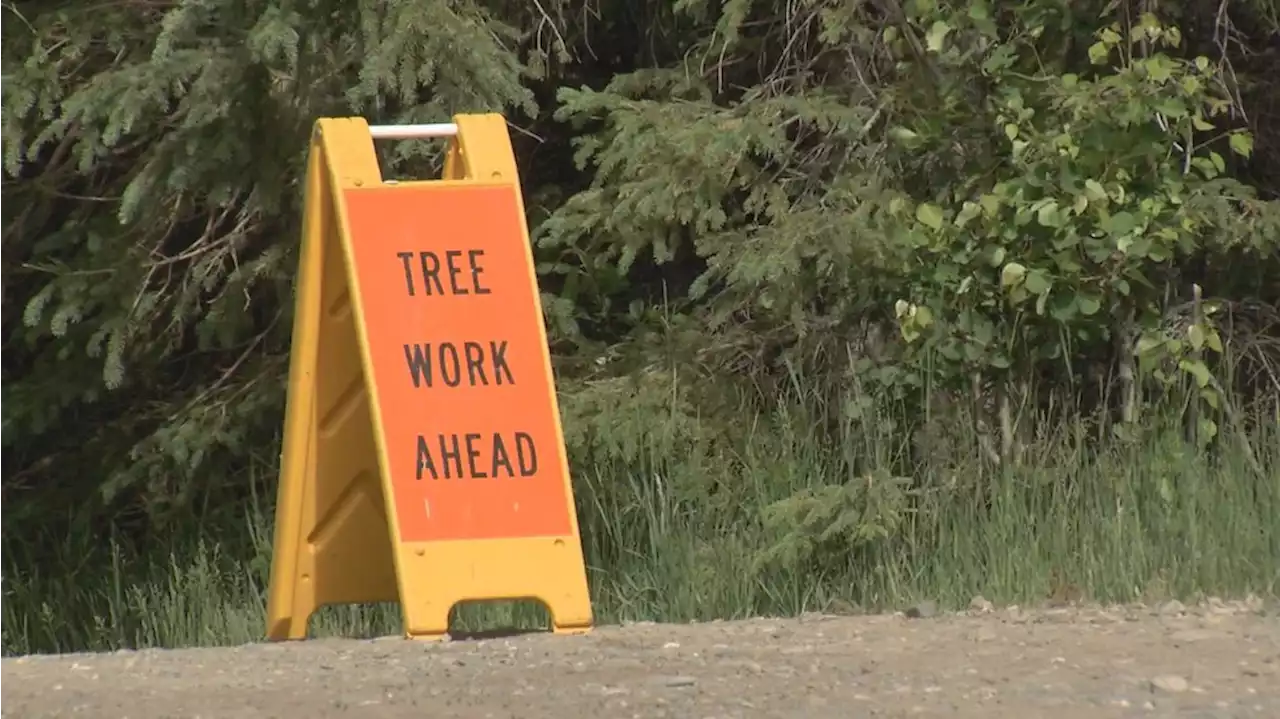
459, 362
423, 460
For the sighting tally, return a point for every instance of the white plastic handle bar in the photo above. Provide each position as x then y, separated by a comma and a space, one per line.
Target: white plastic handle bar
412, 132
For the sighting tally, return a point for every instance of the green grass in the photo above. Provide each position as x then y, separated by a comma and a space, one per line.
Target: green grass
676, 527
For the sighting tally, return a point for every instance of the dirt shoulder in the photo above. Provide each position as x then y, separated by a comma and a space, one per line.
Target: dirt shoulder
1216, 660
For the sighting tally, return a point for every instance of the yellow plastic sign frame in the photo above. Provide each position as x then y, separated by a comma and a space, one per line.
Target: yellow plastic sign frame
343, 530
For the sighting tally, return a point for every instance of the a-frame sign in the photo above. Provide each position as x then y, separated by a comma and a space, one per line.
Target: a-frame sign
423, 457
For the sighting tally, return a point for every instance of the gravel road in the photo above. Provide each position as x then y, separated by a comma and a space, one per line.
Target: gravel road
1217, 659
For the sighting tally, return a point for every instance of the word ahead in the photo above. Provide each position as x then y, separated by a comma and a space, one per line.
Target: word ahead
487, 456
484, 365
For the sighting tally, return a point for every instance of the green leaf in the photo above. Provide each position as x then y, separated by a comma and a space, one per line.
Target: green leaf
1241, 143
981, 17
967, 212
1011, 131
1195, 333
1038, 282
1098, 53
1064, 308
1148, 344
923, 316
1210, 397
1219, 163
1122, 223
1088, 304
1047, 215
937, 35
930, 215
1095, 190
1205, 167
1171, 108
1012, 274
1214, 341
1200, 124
1158, 69
1066, 261
1196, 369
903, 135
1001, 58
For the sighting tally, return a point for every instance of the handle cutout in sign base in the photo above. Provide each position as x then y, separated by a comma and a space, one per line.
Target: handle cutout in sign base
423, 458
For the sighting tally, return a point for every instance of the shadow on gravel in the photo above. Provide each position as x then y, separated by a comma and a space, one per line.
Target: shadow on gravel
463, 636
